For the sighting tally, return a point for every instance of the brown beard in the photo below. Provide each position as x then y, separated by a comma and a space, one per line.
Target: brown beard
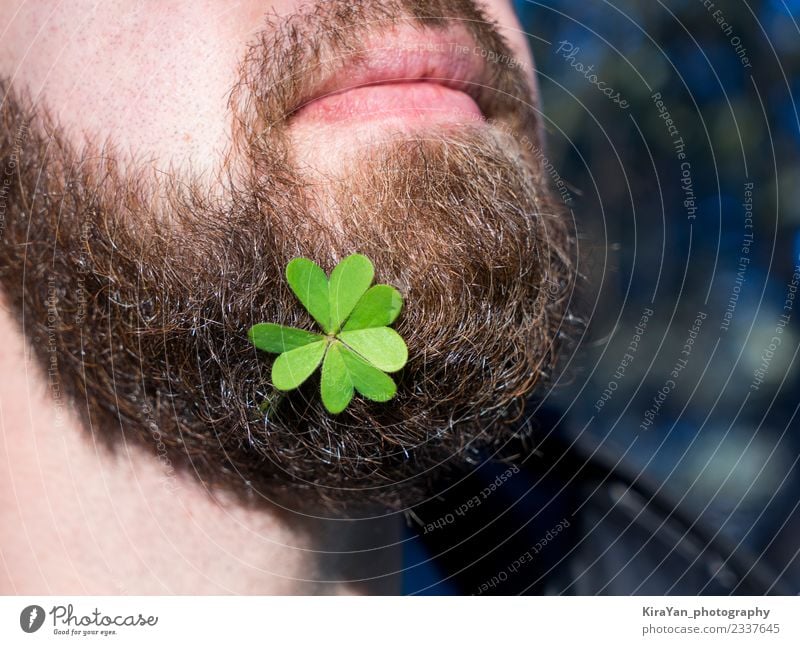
137, 292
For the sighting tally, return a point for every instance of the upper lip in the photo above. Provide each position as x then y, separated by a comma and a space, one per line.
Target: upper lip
406, 55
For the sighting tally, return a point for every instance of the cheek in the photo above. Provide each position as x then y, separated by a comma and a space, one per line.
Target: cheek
154, 78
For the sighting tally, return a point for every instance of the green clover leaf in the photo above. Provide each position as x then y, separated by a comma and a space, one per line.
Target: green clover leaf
357, 348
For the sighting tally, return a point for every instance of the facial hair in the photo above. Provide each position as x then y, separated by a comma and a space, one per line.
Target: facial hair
136, 291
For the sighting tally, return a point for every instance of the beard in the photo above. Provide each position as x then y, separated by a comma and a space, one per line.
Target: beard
136, 292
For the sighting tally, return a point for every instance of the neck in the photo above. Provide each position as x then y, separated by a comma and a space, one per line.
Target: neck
78, 518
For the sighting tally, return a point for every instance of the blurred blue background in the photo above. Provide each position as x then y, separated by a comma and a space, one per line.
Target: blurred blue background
709, 241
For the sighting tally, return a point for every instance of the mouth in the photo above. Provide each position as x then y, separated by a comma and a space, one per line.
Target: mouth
406, 75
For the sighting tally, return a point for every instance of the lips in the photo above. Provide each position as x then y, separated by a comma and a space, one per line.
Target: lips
407, 74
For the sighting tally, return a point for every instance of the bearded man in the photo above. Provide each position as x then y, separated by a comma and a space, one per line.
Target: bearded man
161, 165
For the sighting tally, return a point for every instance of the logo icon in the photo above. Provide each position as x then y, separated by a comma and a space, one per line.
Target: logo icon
31, 618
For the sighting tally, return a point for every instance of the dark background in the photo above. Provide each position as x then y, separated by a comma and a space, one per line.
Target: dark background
724, 444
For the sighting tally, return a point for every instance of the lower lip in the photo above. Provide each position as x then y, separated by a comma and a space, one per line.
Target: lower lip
405, 101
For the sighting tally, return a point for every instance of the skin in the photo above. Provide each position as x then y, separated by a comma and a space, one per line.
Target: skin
74, 519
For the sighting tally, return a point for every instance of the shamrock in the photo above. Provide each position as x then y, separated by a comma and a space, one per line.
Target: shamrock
357, 348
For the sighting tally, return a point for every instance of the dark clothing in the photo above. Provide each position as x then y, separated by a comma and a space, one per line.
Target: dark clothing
572, 521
